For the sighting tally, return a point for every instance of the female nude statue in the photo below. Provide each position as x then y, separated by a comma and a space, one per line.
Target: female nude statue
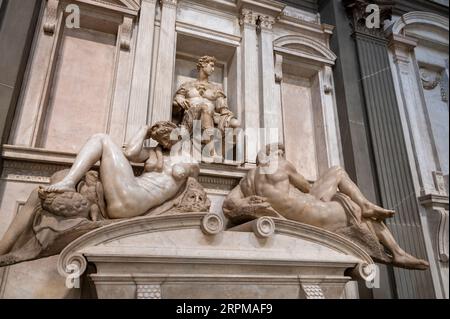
204, 101
128, 196
125, 195
287, 192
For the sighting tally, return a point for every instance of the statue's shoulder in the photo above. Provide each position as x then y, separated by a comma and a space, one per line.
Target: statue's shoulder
218, 88
186, 85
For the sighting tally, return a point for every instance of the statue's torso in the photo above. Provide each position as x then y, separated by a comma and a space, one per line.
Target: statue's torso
277, 188
201, 93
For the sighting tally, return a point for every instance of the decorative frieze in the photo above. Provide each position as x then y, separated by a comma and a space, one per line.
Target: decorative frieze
148, 292
29, 172
313, 291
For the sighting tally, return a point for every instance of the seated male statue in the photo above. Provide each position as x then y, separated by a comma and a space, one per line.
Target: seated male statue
201, 100
275, 188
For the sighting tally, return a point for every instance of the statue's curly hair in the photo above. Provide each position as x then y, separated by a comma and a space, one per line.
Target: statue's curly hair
205, 60
162, 128
275, 147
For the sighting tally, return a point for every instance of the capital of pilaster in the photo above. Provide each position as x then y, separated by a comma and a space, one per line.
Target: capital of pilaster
401, 46
248, 17
266, 22
368, 16
171, 3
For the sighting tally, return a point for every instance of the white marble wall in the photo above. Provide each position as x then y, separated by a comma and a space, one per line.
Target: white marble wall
121, 69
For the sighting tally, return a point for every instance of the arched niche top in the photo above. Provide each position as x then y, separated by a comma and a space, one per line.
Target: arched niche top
131, 4
419, 17
305, 47
167, 236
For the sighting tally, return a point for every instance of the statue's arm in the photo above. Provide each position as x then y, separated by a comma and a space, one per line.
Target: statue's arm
155, 161
221, 103
297, 180
180, 101
234, 200
134, 151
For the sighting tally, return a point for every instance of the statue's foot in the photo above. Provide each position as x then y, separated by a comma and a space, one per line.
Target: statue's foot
61, 187
374, 211
410, 262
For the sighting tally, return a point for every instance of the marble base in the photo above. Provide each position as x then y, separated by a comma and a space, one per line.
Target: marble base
190, 256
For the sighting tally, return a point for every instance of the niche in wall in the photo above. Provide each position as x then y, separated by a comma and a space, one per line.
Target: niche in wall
81, 89
297, 93
190, 49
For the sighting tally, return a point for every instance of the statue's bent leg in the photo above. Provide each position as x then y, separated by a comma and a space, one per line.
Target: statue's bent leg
116, 173
91, 153
336, 179
123, 194
400, 257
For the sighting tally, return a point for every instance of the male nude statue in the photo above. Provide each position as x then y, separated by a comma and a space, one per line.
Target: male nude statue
283, 189
204, 101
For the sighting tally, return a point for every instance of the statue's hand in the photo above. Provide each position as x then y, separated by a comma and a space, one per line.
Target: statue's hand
258, 200
183, 103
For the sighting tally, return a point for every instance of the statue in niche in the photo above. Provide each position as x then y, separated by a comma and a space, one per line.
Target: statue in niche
80, 200
275, 188
206, 102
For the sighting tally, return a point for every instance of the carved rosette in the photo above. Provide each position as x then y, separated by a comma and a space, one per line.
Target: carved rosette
266, 22
51, 17
358, 12
248, 17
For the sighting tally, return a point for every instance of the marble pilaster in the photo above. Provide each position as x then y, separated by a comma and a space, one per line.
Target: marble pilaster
270, 114
140, 90
163, 87
251, 120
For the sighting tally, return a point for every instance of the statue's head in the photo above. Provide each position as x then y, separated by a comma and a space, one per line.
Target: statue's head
161, 133
272, 151
206, 64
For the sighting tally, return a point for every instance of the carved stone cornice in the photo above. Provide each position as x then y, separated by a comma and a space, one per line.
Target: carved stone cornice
169, 3
266, 22
248, 17
357, 12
